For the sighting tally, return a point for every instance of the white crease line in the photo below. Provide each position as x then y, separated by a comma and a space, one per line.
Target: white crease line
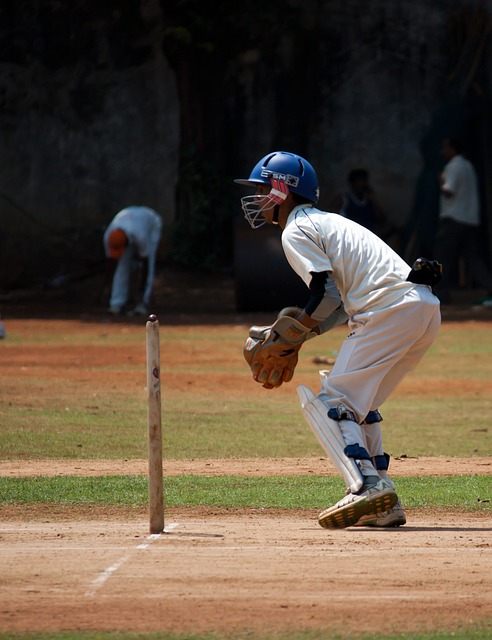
104, 575
150, 540
171, 527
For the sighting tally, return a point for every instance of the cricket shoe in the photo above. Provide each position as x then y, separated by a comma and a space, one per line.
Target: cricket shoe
394, 517
375, 499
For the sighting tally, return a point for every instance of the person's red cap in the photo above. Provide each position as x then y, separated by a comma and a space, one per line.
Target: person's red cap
117, 242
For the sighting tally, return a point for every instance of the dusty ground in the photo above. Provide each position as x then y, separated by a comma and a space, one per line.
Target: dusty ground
226, 570
219, 570
64, 568
406, 466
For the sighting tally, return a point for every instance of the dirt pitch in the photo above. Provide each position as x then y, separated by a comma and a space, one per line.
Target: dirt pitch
228, 571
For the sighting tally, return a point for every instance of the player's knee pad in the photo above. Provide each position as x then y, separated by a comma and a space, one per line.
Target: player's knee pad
329, 435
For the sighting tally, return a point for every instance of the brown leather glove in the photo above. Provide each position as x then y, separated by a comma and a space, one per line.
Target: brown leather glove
273, 352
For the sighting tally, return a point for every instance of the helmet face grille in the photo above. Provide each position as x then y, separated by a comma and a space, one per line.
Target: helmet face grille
253, 206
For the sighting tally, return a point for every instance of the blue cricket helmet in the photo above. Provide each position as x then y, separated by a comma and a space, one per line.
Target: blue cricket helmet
295, 171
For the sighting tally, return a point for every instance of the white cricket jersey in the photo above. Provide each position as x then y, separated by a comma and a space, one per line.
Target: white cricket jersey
142, 226
367, 272
460, 178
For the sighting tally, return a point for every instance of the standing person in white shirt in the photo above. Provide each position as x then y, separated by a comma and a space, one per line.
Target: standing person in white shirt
350, 273
132, 239
459, 220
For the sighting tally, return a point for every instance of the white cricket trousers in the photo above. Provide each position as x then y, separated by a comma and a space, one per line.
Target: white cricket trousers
381, 348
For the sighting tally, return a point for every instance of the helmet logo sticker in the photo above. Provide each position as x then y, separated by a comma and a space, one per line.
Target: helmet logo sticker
290, 180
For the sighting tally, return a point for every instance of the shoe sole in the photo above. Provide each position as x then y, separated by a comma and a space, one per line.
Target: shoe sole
377, 522
349, 514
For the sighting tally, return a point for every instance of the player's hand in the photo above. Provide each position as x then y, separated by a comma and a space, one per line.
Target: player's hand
273, 352
275, 365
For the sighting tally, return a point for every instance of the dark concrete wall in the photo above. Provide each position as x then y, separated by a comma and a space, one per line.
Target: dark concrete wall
89, 124
90, 109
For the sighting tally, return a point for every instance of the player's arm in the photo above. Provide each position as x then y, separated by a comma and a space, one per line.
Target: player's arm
447, 183
324, 309
446, 190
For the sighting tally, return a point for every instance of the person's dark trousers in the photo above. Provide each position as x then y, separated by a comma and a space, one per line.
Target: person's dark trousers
455, 240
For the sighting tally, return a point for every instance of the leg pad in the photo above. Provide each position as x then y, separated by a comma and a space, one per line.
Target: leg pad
329, 435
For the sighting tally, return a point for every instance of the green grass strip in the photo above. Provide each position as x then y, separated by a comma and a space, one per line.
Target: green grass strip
463, 634
468, 493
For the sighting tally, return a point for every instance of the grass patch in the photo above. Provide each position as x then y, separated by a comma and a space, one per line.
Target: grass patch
81, 406
437, 426
463, 634
465, 493
206, 428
